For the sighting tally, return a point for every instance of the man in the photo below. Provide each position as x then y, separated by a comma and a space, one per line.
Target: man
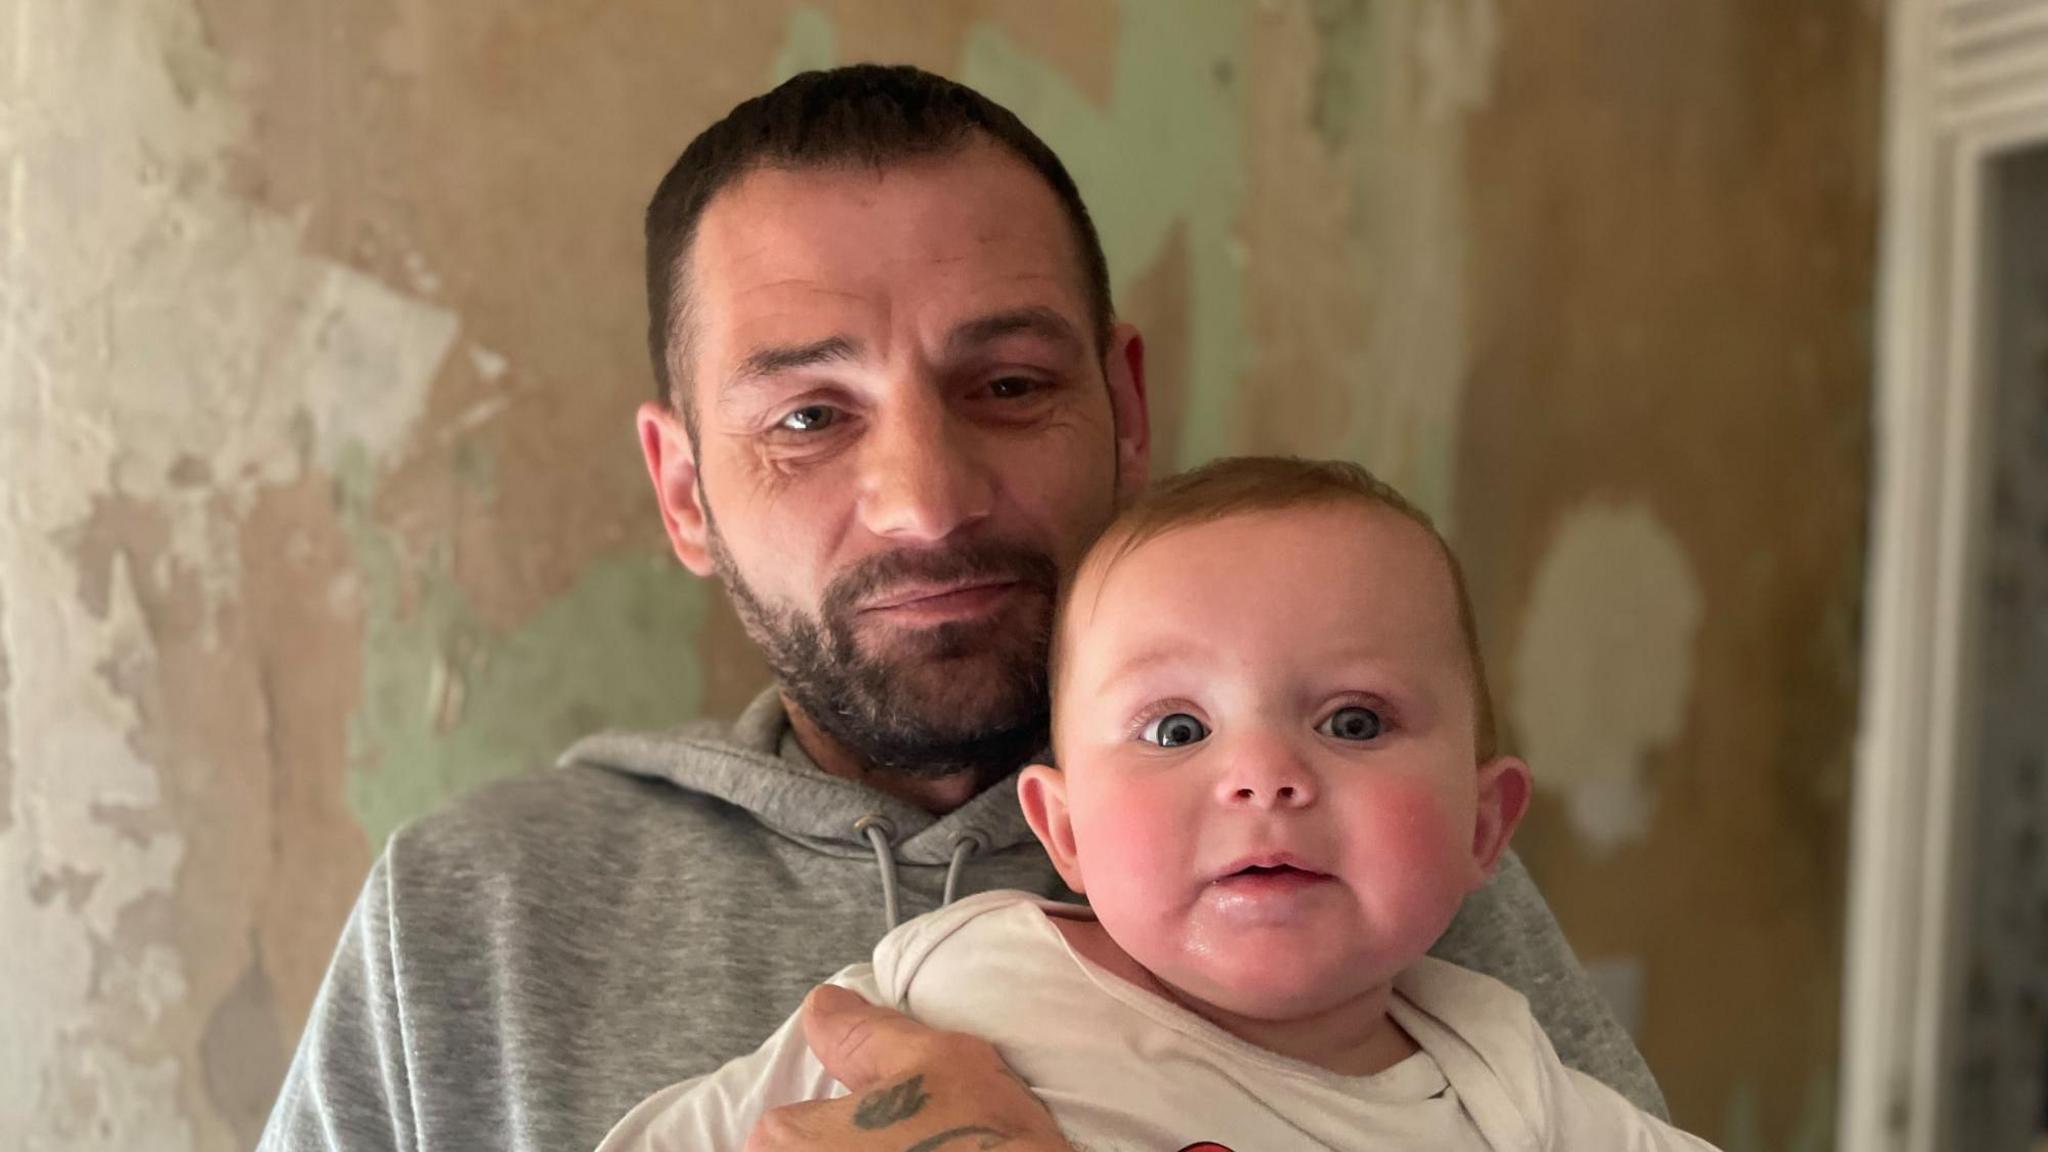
895, 405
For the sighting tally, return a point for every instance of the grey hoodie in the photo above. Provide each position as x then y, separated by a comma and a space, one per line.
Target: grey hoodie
528, 963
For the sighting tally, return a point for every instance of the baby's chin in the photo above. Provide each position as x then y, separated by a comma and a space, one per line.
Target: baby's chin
1282, 988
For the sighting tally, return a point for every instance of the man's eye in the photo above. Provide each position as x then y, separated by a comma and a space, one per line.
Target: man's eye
1012, 387
1352, 723
809, 419
1174, 730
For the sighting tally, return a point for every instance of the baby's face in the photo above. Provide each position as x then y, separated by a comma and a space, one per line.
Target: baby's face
1265, 730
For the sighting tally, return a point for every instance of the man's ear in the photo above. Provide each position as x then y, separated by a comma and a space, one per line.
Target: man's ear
1124, 365
1503, 799
1042, 792
672, 466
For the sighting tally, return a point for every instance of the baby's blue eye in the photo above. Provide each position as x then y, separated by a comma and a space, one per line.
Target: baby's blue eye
1353, 723
1174, 730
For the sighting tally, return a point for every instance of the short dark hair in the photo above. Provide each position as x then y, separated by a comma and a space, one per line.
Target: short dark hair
1234, 486
865, 114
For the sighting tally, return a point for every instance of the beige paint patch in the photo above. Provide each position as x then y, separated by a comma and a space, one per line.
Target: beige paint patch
1604, 666
490, 366
1457, 43
361, 358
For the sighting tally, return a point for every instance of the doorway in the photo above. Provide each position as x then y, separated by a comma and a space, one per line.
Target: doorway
1999, 1055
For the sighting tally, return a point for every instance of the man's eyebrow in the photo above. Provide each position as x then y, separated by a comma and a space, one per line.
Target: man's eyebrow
776, 359
1036, 321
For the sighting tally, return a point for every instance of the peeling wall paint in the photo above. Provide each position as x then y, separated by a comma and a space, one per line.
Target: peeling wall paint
137, 293
1648, 328
1161, 166
207, 416
1355, 229
320, 335
364, 356
1604, 666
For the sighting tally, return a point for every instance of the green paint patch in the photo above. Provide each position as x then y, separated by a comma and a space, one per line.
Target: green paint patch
808, 44
1342, 47
1169, 147
449, 704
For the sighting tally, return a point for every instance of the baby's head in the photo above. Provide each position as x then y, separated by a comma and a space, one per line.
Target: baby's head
1277, 776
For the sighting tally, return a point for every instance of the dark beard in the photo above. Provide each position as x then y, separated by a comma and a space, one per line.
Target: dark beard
884, 708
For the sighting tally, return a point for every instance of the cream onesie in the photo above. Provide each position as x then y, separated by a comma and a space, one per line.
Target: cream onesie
1126, 1071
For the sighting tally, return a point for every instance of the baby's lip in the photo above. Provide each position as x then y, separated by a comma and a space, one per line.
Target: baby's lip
1269, 863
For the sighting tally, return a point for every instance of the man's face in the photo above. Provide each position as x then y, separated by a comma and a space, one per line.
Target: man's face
905, 432
1268, 787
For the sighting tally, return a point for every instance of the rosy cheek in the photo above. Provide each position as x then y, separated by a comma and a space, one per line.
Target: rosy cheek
1114, 825
1406, 825
1126, 835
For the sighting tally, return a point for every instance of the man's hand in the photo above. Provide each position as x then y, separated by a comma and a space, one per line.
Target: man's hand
912, 1089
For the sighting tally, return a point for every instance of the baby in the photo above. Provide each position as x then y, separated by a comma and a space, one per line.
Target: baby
1277, 781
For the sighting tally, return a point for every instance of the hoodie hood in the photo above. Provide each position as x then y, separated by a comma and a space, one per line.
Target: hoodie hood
756, 764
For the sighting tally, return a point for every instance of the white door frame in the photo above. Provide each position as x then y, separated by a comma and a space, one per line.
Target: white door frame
1966, 84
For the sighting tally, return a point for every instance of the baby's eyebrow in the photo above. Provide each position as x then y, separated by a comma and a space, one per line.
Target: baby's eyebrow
1147, 660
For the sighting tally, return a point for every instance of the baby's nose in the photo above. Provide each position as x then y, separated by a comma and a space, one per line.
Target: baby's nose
1270, 777
1284, 794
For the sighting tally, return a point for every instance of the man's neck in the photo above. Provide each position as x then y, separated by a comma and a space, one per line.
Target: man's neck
935, 794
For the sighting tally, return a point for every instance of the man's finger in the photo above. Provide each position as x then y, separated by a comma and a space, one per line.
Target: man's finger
805, 1125
911, 1087
859, 1043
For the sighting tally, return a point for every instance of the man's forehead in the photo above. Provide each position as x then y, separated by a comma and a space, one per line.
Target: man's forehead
977, 220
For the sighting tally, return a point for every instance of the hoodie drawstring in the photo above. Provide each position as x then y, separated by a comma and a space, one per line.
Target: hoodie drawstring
964, 845
881, 834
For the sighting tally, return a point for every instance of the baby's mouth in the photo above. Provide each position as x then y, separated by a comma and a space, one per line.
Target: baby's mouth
1272, 871
1265, 884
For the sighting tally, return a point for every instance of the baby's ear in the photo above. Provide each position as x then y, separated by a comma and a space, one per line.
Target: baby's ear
1042, 792
1503, 799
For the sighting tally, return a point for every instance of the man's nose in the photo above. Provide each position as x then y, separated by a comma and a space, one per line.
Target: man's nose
923, 476
1267, 772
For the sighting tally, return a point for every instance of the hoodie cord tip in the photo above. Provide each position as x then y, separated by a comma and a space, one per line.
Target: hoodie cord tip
967, 844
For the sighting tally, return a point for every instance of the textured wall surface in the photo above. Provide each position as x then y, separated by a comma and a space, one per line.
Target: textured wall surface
321, 333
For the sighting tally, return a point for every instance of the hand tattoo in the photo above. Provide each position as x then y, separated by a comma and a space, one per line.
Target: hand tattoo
990, 1138
885, 1106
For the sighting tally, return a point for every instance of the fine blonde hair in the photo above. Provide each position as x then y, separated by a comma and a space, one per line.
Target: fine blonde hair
1241, 484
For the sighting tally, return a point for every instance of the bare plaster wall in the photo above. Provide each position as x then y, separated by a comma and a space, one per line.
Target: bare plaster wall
320, 331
